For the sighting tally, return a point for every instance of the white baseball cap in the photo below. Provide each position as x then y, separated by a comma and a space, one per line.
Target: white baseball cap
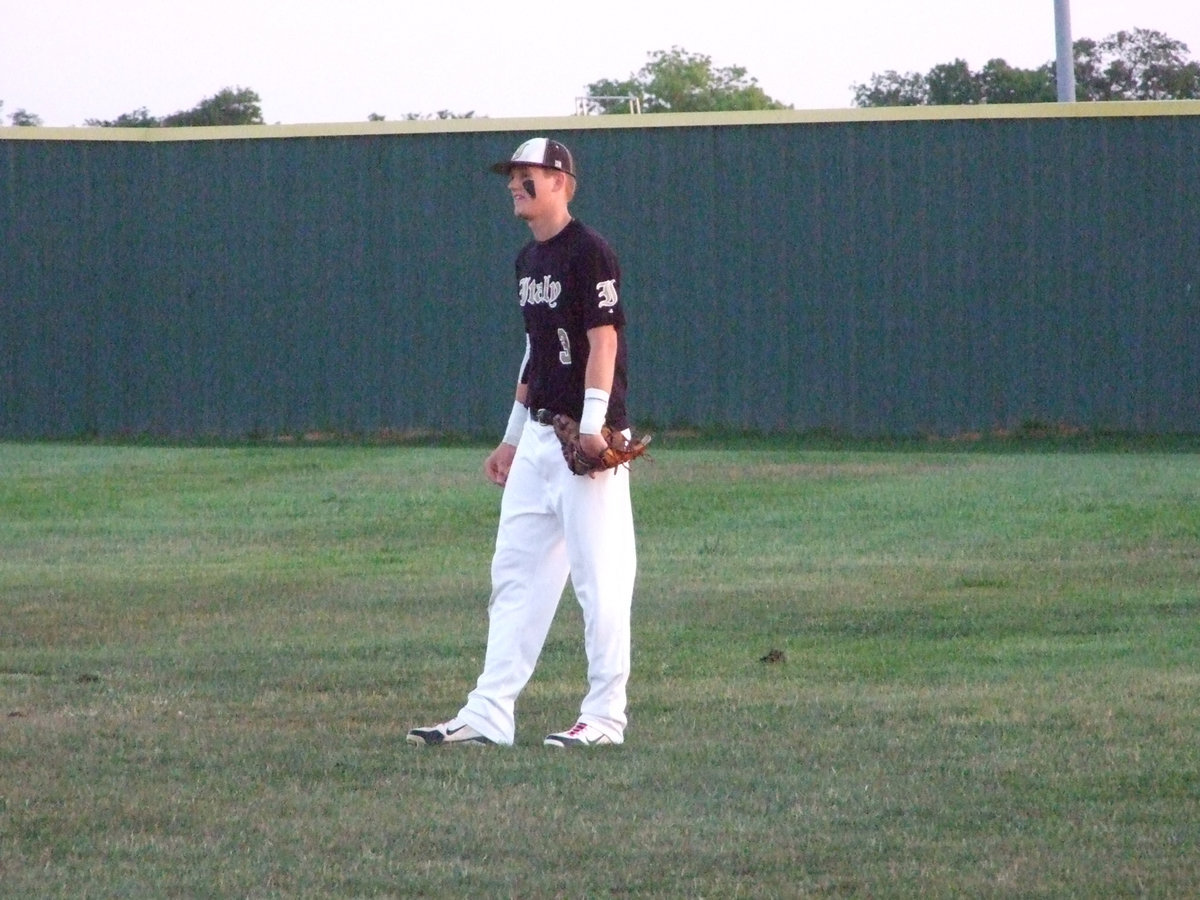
539, 151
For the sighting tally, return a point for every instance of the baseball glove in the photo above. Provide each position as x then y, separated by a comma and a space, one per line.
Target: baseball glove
620, 450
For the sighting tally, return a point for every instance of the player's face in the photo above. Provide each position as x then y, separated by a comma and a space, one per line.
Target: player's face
530, 187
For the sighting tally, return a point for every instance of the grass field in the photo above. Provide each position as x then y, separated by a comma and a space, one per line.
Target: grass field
990, 667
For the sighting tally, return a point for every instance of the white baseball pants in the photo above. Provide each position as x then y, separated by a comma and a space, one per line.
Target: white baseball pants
554, 524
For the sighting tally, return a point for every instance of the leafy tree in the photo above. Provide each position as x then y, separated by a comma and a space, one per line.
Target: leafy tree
1002, 83
139, 118
22, 118
227, 107
230, 106
1135, 65
893, 89
953, 84
678, 81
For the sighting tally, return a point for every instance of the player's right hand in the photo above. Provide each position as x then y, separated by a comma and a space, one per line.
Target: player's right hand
499, 461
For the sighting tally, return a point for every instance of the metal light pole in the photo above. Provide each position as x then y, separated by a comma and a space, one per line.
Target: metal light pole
1065, 64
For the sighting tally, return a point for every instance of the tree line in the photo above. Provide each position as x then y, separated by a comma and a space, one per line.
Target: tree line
1129, 65
1141, 64
230, 106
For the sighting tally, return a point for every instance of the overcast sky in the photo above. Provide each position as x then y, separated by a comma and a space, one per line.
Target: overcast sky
325, 62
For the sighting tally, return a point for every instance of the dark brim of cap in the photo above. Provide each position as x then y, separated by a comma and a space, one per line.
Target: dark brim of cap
503, 168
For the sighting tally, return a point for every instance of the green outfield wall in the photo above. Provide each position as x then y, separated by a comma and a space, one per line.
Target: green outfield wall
873, 272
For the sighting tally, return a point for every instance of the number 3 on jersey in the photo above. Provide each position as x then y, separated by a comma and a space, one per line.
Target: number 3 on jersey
564, 355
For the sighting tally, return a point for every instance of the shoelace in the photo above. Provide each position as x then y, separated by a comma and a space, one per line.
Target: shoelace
577, 728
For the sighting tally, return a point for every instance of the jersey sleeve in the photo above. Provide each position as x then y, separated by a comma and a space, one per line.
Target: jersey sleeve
601, 287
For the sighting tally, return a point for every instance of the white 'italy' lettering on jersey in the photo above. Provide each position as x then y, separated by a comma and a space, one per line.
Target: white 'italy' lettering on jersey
544, 291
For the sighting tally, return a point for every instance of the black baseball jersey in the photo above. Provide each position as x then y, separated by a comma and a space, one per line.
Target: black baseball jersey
567, 285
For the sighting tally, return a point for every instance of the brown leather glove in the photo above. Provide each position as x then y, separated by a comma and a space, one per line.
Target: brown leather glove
620, 450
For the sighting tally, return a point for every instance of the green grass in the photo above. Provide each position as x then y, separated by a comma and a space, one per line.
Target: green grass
209, 658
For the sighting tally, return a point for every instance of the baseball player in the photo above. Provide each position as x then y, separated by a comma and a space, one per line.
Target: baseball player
553, 523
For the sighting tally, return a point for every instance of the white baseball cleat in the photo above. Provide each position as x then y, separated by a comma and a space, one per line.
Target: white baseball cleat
452, 732
581, 734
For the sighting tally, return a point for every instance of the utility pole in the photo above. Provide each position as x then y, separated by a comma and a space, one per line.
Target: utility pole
1065, 63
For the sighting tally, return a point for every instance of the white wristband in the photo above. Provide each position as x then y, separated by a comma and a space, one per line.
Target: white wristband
516, 424
595, 409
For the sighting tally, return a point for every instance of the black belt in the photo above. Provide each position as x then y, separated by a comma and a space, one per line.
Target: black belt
542, 416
